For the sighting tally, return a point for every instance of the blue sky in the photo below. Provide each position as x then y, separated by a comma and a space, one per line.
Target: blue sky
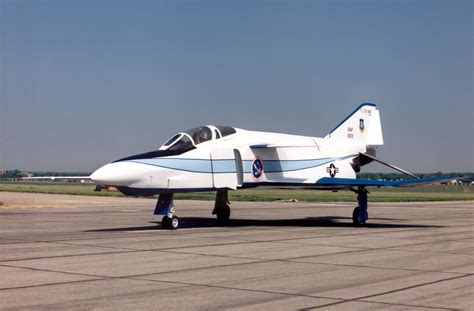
86, 82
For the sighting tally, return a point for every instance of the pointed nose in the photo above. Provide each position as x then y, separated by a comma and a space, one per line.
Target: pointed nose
118, 174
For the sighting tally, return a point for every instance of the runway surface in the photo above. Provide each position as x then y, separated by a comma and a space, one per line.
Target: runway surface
72, 252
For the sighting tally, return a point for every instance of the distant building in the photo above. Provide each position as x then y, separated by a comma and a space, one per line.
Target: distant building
28, 175
456, 182
2, 172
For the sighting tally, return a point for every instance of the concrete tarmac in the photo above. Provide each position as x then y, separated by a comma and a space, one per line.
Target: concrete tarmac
71, 252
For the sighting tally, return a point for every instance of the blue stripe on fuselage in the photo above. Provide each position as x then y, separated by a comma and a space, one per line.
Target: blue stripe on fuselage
220, 166
279, 166
188, 165
223, 166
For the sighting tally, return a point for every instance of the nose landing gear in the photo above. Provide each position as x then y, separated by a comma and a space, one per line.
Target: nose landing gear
165, 206
170, 221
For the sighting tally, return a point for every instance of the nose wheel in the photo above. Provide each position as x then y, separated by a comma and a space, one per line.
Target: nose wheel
164, 206
171, 223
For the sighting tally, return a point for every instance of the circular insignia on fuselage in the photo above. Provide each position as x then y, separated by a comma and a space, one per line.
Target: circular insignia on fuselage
257, 168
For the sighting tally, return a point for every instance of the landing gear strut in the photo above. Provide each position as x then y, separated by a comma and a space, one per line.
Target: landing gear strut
165, 206
221, 206
360, 214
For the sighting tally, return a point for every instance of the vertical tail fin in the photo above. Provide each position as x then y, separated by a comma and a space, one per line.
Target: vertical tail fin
362, 125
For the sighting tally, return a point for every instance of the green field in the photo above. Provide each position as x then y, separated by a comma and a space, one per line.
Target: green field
422, 193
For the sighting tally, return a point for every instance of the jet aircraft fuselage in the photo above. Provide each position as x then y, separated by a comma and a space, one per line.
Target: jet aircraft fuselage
222, 158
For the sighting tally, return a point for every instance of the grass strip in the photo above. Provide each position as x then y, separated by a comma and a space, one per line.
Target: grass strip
415, 194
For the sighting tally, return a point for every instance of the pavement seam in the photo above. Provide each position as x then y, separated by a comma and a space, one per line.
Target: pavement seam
397, 248
51, 284
363, 298
383, 268
293, 260
72, 255
186, 232
296, 260
143, 278
339, 300
170, 249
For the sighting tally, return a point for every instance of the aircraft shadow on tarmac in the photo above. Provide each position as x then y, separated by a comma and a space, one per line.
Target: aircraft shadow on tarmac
328, 221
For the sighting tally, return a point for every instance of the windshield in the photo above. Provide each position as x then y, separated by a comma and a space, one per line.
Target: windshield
172, 140
188, 139
182, 144
196, 136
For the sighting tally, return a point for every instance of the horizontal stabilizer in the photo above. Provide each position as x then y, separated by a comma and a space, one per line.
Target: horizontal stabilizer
349, 182
370, 157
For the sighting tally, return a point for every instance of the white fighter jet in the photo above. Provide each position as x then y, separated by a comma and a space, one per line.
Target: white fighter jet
222, 158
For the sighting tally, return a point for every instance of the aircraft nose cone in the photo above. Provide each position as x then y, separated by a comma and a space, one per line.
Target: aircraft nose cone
116, 174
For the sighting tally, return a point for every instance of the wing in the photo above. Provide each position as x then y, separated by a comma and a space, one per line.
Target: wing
349, 182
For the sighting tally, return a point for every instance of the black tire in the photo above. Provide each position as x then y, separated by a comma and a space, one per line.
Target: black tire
170, 223
174, 223
165, 222
223, 214
355, 218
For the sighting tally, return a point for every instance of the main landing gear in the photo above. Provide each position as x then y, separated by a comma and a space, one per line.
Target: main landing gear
221, 206
165, 206
360, 214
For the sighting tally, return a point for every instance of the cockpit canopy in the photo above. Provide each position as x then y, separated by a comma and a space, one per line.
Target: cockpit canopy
185, 141
195, 136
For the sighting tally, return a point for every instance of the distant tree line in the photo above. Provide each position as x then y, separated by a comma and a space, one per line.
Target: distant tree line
41, 174
19, 174
11, 174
